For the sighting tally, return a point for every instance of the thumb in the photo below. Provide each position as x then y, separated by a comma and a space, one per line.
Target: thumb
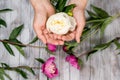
39, 26
80, 19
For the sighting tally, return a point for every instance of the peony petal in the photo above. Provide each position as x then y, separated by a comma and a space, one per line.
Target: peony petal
43, 67
73, 61
51, 59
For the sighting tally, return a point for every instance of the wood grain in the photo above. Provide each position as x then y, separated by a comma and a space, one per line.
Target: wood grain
104, 65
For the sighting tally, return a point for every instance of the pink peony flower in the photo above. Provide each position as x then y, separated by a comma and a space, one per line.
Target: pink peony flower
52, 47
49, 68
73, 61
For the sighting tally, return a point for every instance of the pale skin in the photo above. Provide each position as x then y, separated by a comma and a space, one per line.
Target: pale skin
43, 10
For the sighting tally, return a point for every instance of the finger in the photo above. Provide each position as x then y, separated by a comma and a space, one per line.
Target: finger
50, 40
51, 35
61, 42
80, 18
69, 37
41, 37
59, 37
55, 42
39, 25
45, 31
55, 36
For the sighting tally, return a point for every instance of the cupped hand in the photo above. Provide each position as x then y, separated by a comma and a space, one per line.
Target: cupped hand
79, 15
43, 9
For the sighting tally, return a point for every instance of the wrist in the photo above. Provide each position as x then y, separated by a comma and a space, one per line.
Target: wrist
37, 4
81, 4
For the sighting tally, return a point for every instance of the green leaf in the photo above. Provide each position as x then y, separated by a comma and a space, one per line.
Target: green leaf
20, 50
85, 31
101, 46
40, 60
17, 42
8, 48
3, 23
53, 2
22, 73
68, 9
80, 62
5, 65
14, 40
90, 53
73, 43
2, 71
90, 30
117, 44
105, 24
60, 5
2, 77
30, 70
34, 40
15, 32
98, 47
91, 14
71, 46
100, 12
46, 48
95, 21
5, 10
7, 76
2, 74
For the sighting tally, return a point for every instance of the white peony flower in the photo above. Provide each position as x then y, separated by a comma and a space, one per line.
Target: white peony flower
60, 23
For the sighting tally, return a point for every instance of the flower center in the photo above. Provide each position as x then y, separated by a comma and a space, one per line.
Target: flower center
51, 68
58, 22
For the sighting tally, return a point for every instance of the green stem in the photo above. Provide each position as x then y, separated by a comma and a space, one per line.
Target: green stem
14, 68
84, 53
28, 45
116, 16
81, 54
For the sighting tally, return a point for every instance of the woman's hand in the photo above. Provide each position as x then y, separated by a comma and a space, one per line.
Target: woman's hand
43, 9
79, 15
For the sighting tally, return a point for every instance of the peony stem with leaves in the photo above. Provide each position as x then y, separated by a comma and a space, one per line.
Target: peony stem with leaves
26, 45
18, 67
100, 47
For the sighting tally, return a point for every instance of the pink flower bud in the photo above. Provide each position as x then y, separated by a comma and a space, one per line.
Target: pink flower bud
73, 61
65, 49
52, 47
49, 68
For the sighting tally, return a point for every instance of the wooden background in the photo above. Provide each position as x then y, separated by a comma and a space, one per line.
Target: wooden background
103, 65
